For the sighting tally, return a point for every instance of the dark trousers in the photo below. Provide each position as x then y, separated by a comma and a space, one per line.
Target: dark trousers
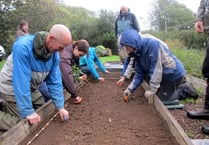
167, 90
205, 72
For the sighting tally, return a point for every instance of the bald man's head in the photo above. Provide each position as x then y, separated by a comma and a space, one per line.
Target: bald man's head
58, 38
124, 9
61, 32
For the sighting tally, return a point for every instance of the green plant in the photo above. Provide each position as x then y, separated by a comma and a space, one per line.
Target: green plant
189, 133
76, 73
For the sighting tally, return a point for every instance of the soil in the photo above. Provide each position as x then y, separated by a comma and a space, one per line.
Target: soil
192, 127
103, 118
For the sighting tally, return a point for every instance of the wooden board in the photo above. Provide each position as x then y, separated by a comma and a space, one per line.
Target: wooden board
21, 130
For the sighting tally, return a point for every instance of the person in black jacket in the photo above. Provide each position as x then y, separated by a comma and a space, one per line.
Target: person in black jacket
202, 26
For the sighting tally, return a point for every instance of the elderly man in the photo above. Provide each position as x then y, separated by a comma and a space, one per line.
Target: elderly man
34, 59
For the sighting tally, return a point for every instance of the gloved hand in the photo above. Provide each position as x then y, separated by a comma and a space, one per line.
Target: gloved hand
149, 93
127, 92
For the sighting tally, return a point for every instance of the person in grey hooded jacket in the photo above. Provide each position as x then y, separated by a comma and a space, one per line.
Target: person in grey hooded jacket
153, 62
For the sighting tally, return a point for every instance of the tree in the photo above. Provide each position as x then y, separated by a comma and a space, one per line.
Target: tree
167, 15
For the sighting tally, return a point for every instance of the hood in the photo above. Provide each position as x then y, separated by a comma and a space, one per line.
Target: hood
131, 38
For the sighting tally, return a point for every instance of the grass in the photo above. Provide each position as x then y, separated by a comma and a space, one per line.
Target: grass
109, 58
192, 60
2, 63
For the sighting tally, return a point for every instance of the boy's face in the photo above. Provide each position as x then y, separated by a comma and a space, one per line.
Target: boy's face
129, 49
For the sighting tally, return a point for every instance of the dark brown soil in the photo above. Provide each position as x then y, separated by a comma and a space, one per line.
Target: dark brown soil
103, 118
192, 127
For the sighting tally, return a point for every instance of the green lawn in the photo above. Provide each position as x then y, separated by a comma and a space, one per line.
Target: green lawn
109, 58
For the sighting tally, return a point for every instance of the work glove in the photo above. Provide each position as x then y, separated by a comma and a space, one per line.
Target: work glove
149, 93
127, 92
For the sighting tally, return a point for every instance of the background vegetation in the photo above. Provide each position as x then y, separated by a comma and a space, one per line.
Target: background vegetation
170, 21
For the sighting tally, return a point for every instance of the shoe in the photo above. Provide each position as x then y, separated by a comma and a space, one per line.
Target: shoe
205, 129
204, 114
171, 102
78, 100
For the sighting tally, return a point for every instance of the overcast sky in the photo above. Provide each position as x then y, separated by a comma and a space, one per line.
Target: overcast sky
139, 7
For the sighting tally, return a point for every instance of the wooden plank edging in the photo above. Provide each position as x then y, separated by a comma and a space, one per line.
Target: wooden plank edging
20, 131
178, 134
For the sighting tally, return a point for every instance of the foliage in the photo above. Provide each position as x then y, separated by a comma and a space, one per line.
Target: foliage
167, 15
189, 39
76, 73
192, 60
2, 63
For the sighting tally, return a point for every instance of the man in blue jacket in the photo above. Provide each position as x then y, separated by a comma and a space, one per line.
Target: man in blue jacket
153, 62
34, 59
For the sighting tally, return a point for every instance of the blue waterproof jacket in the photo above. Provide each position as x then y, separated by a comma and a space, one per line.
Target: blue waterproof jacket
27, 72
89, 60
152, 59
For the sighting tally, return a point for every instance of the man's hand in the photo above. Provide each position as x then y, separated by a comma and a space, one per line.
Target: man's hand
34, 118
64, 114
199, 26
120, 82
149, 93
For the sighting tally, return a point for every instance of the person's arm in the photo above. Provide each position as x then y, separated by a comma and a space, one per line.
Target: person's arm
99, 63
135, 23
137, 80
201, 11
67, 74
90, 65
116, 28
156, 68
200, 17
54, 83
21, 79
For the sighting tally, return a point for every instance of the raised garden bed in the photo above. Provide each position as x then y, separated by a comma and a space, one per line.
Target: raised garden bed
103, 118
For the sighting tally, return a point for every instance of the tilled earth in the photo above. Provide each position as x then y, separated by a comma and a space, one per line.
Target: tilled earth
103, 118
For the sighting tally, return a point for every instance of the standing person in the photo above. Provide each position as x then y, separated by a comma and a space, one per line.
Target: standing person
22, 28
125, 20
34, 59
153, 62
202, 26
87, 62
68, 58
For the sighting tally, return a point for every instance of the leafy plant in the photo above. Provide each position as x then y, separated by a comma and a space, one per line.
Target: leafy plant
76, 73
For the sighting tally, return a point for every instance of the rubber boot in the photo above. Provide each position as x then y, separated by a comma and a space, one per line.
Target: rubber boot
203, 114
